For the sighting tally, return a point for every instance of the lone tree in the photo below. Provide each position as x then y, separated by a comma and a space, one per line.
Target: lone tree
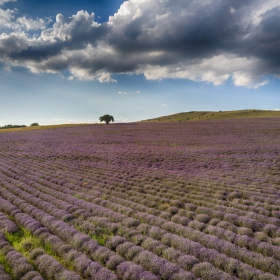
34, 124
106, 118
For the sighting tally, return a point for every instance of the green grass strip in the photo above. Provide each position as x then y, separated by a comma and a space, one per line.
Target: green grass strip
5, 264
24, 242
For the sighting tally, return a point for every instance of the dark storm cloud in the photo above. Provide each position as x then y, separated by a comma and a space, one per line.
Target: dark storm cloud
266, 41
202, 40
37, 53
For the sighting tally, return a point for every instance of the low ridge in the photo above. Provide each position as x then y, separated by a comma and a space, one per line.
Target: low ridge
215, 115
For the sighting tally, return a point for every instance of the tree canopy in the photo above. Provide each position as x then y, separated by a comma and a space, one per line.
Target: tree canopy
106, 118
34, 124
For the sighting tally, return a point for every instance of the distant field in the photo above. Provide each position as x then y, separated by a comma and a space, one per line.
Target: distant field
143, 201
27, 128
211, 115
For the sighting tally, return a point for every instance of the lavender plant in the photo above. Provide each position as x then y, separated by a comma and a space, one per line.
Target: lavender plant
157, 201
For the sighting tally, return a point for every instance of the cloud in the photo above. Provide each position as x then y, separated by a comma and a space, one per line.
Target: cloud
129, 92
6, 1
10, 21
31, 24
6, 18
209, 41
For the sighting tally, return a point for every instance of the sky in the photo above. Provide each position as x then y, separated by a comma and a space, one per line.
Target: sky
76, 60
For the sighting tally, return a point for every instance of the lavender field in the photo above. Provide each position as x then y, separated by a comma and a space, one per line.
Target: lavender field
149, 201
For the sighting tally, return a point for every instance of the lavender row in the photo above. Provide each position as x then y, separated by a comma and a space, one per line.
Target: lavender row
140, 176
234, 251
21, 268
58, 228
232, 193
38, 229
237, 223
270, 228
124, 221
220, 215
213, 243
61, 202
161, 267
242, 222
62, 249
6, 224
230, 265
243, 258
193, 199
77, 240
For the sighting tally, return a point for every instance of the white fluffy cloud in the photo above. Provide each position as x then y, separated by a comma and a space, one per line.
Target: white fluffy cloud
217, 70
6, 1
202, 40
32, 24
10, 21
6, 18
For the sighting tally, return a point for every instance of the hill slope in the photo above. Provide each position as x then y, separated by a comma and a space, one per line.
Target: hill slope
214, 115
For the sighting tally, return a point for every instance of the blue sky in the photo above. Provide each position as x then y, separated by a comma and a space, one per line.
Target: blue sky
73, 61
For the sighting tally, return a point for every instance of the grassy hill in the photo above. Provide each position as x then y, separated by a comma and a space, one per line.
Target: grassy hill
215, 115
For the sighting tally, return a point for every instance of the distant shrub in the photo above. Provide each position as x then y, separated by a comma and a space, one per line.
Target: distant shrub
34, 124
12, 126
